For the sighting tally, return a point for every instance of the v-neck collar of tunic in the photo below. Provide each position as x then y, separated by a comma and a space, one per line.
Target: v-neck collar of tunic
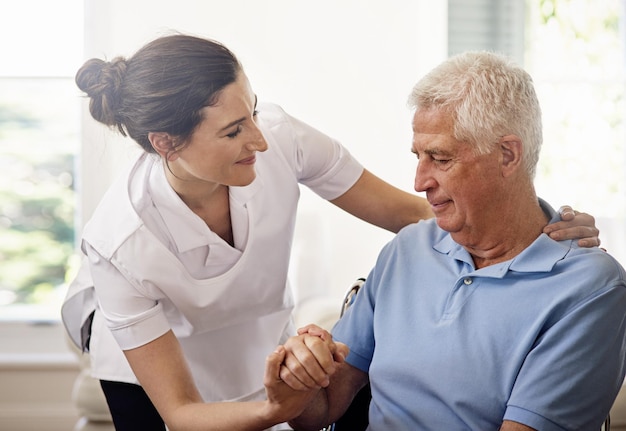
188, 231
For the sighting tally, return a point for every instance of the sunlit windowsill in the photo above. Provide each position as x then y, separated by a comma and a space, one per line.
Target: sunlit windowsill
37, 361
34, 319
31, 336
34, 314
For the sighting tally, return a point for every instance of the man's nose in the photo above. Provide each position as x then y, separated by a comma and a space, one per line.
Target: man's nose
423, 179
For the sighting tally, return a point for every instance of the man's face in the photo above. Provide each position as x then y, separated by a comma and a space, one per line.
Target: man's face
460, 186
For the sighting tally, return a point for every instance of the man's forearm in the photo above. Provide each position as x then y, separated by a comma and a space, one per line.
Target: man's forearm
315, 416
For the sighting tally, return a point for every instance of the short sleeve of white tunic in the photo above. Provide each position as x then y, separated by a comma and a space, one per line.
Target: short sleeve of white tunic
319, 162
132, 312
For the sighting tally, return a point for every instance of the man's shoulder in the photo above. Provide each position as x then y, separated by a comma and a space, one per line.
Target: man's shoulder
595, 261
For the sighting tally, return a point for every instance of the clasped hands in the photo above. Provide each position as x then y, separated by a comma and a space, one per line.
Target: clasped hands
296, 371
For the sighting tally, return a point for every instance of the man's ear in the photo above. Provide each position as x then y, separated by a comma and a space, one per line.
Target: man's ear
511, 148
162, 143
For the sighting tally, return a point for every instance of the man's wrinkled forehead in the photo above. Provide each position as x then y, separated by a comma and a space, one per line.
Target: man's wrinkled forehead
432, 122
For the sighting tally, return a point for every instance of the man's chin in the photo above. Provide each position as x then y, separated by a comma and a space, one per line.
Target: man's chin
444, 223
449, 225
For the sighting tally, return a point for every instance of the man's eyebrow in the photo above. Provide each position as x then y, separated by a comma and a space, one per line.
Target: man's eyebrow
431, 151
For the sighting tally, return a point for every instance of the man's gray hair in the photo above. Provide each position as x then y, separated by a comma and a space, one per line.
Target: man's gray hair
488, 97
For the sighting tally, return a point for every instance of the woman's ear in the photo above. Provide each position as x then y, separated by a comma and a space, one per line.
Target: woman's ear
163, 144
512, 153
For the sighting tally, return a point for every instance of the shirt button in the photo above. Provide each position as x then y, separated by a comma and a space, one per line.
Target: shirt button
467, 281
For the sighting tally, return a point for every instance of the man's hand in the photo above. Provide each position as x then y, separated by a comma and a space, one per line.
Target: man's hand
296, 371
311, 358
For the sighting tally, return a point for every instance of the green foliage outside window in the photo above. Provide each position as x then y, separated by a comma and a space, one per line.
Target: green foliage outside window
577, 55
38, 143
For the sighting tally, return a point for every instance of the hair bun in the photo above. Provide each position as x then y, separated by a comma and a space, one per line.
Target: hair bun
102, 81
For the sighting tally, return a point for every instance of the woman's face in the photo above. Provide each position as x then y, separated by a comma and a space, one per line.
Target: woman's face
222, 148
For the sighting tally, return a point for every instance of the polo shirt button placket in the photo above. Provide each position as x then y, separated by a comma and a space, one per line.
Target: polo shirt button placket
458, 297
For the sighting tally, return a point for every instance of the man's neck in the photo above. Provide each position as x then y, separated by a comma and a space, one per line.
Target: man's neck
516, 231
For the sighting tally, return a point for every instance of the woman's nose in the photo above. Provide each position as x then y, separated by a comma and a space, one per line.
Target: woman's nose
257, 141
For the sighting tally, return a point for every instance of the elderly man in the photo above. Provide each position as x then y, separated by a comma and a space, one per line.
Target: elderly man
475, 320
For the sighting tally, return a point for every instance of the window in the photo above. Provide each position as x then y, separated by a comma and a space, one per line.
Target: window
576, 53
494, 25
39, 128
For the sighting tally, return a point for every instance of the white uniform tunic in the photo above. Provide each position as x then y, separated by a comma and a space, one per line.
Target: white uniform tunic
156, 265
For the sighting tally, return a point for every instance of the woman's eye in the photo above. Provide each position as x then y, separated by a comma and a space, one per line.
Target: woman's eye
255, 113
235, 133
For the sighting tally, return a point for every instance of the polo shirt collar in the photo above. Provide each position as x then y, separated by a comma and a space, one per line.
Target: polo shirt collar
544, 253
541, 256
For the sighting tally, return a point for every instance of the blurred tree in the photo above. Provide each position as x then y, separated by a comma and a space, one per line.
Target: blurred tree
36, 209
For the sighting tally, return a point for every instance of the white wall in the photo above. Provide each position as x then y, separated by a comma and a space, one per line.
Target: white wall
344, 66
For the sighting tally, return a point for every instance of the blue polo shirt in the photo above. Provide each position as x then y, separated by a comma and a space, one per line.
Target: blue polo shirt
539, 339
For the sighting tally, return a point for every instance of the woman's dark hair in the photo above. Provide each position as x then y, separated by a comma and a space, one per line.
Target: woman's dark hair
162, 88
